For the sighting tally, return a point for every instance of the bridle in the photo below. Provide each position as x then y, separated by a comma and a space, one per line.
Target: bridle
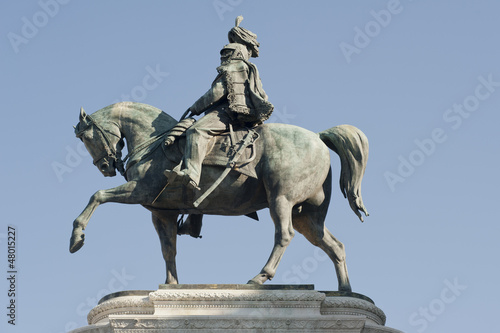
109, 150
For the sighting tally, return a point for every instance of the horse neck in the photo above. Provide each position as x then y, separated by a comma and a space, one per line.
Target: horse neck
141, 122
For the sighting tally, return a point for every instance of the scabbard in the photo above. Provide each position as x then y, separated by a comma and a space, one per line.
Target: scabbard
249, 139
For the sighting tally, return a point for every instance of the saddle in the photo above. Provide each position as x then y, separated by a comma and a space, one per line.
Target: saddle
223, 149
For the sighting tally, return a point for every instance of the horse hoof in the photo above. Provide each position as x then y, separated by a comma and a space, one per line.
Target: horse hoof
345, 289
76, 242
259, 279
253, 282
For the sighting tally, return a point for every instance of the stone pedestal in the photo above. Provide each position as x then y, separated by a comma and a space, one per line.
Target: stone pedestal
235, 308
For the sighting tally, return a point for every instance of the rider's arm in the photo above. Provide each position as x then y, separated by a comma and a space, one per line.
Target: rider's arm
211, 97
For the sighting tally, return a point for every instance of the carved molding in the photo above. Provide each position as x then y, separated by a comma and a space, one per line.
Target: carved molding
352, 306
230, 324
229, 305
120, 305
237, 296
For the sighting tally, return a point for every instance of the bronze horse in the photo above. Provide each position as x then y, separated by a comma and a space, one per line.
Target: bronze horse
292, 165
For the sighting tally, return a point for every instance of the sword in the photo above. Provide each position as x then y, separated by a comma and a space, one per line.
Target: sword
247, 141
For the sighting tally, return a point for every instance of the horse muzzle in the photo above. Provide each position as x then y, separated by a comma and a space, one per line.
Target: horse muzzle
106, 167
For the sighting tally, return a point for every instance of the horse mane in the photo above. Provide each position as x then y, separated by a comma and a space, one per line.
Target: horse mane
159, 119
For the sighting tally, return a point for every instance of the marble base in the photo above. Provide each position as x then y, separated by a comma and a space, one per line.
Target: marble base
235, 308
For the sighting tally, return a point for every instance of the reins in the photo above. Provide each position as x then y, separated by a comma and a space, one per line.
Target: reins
144, 145
138, 149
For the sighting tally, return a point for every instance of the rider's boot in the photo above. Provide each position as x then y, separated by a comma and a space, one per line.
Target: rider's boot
183, 177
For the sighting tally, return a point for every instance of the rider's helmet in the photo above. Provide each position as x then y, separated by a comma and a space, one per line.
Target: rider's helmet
245, 37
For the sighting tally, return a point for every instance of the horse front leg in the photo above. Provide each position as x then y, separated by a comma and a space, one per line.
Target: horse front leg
166, 228
122, 194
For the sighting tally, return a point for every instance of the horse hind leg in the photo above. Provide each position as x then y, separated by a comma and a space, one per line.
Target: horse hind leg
281, 213
311, 223
336, 251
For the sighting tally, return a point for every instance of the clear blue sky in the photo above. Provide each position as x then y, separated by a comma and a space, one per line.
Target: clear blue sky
421, 78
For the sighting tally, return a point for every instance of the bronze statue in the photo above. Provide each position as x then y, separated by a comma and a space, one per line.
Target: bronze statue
281, 167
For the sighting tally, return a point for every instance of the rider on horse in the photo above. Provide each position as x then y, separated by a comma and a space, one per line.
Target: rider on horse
236, 98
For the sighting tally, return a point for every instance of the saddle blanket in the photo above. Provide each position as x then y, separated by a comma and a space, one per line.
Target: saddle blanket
221, 152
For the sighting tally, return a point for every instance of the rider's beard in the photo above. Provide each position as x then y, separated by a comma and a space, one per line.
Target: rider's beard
225, 60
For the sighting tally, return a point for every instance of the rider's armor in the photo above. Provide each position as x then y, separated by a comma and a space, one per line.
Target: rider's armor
239, 82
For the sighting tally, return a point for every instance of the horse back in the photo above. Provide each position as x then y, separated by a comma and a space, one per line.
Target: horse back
294, 161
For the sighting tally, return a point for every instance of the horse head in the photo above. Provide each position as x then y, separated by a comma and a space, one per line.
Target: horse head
103, 141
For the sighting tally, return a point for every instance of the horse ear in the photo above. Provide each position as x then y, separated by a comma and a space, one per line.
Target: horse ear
83, 115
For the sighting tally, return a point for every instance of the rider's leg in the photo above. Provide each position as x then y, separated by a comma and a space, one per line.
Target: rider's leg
199, 142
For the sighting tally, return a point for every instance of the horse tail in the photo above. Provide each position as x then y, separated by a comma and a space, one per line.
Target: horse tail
352, 147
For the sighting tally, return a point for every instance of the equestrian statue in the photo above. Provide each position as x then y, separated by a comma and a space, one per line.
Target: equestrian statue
229, 162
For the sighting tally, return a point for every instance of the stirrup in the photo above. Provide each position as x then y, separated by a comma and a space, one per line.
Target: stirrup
173, 174
181, 176
192, 185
